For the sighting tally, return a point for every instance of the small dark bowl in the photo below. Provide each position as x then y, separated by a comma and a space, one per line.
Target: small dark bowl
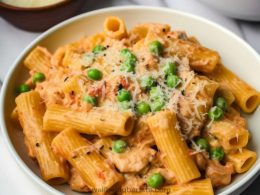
40, 18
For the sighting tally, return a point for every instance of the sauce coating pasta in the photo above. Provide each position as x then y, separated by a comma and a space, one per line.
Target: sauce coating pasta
139, 111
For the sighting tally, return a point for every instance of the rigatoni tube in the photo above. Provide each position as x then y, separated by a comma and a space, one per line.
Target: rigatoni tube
230, 135
172, 145
198, 187
39, 59
98, 121
82, 155
30, 111
242, 160
246, 97
114, 27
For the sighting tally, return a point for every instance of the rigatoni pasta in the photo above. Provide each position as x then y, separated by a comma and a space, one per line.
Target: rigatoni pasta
199, 187
96, 121
38, 60
90, 165
201, 59
30, 111
246, 97
242, 160
145, 111
170, 143
76, 182
230, 135
114, 27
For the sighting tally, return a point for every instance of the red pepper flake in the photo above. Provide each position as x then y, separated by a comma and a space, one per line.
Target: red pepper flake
101, 175
95, 91
124, 82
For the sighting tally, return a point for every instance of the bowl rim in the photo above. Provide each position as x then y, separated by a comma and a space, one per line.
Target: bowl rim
40, 8
243, 181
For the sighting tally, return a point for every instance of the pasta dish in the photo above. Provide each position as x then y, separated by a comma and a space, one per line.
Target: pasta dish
144, 111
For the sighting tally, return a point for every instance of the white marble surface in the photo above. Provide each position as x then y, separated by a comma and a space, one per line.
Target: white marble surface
13, 41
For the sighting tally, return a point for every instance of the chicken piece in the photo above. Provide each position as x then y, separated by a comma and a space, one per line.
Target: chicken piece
194, 105
158, 160
142, 135
200, 161
220, 175
147, 62
132, 160
76, 182
133, 182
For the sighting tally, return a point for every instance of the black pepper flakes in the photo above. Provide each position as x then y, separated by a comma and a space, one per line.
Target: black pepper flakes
88, 152
104, 54
37, 145
164, 30
107, 46
72, 93
120, 86
66, 79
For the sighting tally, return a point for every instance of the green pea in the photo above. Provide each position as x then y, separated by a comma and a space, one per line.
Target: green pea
142, 108
119, 146
38, 77
127, 67
216, 113
156, 47
155, 180
157, 105
125, 105
90, 100
170, 68
217, 154
172, 81
221, 103
202, 143
147, 82
156, 93
97, 49
128, 56
23, 88
124, 95
125, 52
94, 74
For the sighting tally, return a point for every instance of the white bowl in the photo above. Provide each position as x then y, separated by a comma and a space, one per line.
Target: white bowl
240, 9
236, 55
